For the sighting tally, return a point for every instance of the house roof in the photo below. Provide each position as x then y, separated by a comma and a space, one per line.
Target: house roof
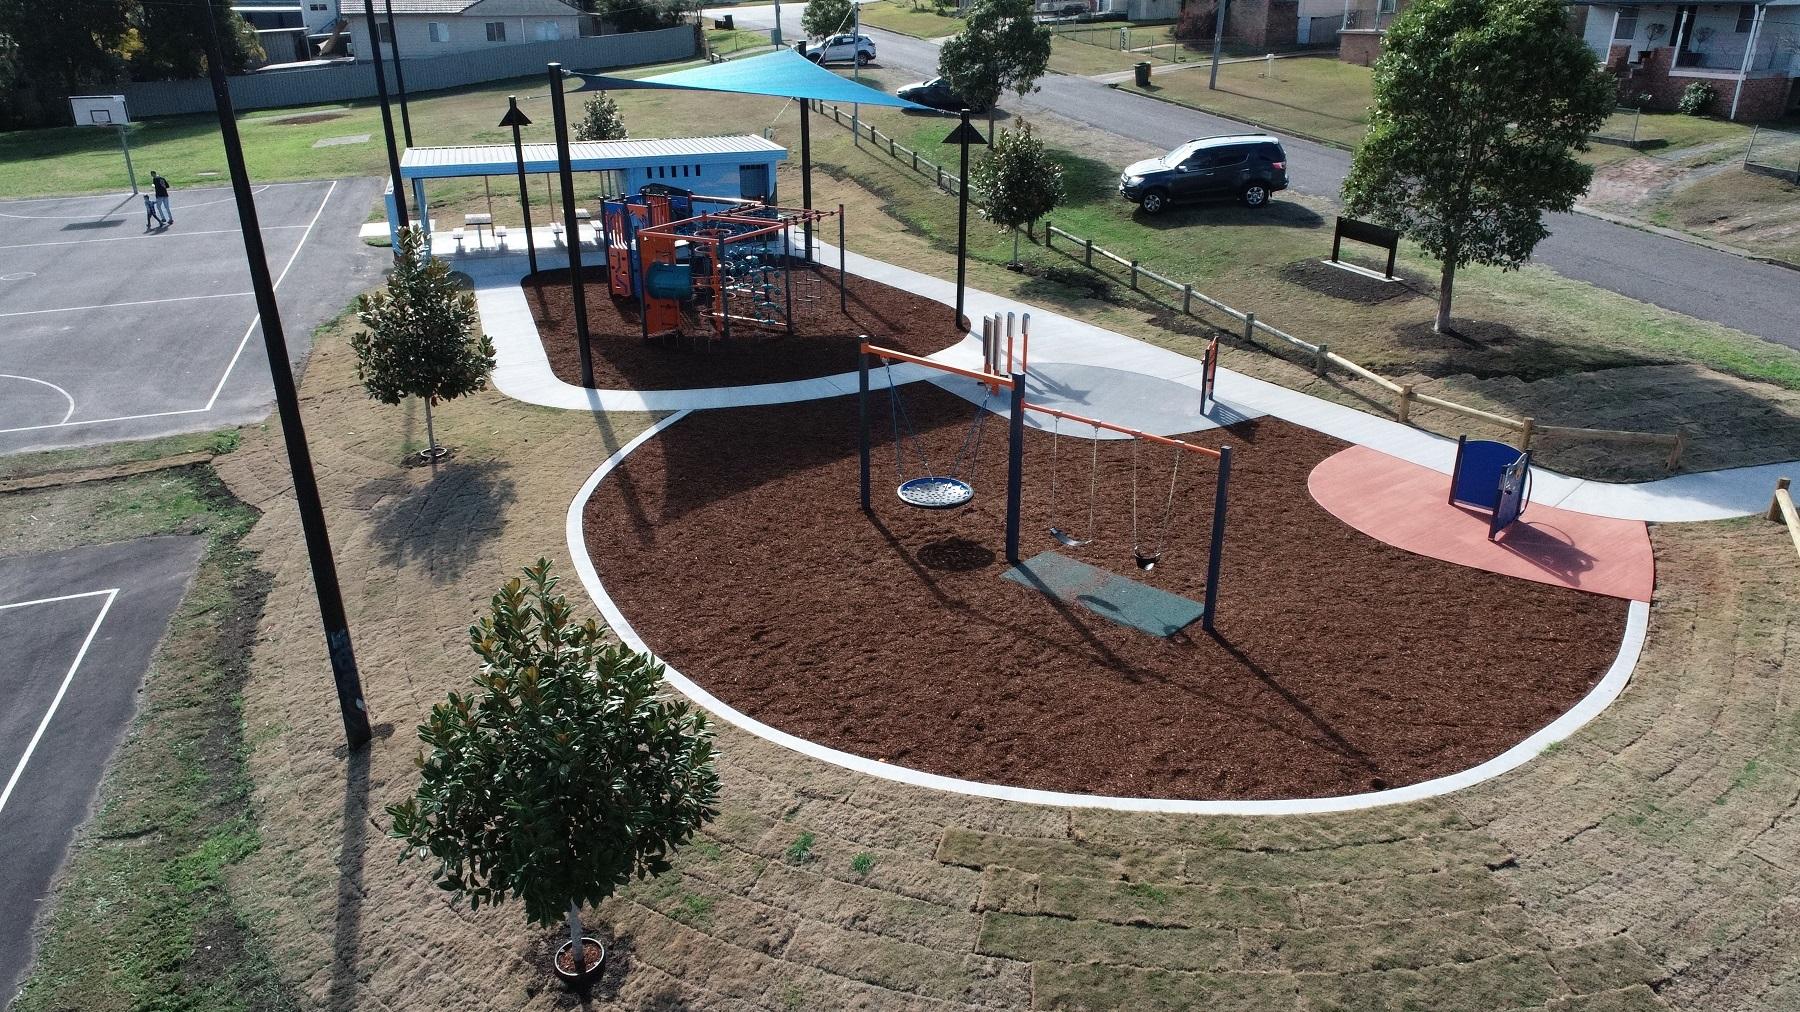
462, 6
584, 156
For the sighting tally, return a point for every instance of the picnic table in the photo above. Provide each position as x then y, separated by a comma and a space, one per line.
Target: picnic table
478, 222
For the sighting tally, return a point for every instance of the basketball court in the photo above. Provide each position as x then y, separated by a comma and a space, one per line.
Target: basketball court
78, 629
109, 331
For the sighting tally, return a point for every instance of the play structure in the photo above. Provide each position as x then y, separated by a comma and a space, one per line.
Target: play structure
926, 487
1491, 476
730, 260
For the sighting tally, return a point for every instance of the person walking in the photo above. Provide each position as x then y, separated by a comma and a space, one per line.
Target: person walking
162, 198
151, 218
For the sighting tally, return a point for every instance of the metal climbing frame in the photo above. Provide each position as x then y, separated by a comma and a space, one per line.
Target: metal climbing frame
742, 258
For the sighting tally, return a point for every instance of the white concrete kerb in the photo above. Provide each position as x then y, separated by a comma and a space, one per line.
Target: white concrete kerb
1608, 689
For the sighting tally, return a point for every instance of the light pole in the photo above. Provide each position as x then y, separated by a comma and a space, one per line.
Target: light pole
387, 116
965, 134
516, 118
1212, 81
287, 403
399, 74
775, 35
572, 224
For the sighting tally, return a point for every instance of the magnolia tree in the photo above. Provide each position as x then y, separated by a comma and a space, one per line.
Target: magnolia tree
825, 17
1480, 109
563, 775
600, 120
423, 338
1017, 181
1001, 48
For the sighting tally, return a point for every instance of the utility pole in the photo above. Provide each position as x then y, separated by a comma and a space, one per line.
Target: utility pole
775, 36
287, 403
577, 288
387, 116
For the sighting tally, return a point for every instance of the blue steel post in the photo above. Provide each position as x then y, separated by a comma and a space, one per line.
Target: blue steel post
1216, 552
862, 419
1015, 467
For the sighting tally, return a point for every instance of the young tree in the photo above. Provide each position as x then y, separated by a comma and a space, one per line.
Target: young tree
825, 17
423, 337
600, 120
1480, 109
1017, 181
563, 774
1001, 47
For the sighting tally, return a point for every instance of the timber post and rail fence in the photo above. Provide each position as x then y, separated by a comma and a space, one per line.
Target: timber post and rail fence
1319, 357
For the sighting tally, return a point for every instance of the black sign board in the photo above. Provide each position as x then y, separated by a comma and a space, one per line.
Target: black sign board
1369, 233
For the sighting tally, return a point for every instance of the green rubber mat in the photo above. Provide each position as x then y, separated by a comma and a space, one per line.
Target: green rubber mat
1108, 595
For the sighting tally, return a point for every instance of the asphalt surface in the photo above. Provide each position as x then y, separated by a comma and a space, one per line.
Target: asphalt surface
77, 629
109, 331
1753, 297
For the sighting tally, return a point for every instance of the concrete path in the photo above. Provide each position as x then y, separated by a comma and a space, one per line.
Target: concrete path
1092, 371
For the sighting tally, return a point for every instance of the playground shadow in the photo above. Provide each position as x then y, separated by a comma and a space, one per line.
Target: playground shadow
1547, 547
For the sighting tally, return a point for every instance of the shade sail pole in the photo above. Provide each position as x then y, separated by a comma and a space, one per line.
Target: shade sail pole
806, 170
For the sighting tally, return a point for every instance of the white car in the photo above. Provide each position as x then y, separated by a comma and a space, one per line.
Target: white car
843, 49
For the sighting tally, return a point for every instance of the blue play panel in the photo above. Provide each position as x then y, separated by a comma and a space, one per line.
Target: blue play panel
1108, 595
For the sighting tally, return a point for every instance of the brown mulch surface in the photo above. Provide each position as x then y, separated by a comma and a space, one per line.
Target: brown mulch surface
824, 342
734, 545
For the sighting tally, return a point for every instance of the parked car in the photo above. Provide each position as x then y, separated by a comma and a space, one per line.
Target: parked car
843, 49
936, 93
1248, 167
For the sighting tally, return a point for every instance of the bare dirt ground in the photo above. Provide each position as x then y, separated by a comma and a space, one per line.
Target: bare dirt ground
1646, 864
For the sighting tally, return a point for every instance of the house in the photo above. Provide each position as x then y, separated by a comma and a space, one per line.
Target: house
442, 27
290, 30
1364, 23
1748, 52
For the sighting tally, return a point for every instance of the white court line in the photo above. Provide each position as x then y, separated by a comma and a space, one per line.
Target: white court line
60, 390
124, 305
31, 746
229, 366
210, 401
159, 235
126, 200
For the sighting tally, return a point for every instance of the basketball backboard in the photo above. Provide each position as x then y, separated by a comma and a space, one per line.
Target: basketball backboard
99, 110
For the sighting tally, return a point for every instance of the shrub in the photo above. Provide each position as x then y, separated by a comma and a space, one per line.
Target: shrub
1697, 98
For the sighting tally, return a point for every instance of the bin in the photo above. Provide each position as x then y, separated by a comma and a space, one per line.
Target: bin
724, 21
1143, 75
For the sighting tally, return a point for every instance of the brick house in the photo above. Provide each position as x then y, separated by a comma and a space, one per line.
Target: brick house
1365, 22
1748, 52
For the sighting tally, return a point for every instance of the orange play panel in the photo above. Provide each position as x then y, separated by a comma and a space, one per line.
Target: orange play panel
1404, 504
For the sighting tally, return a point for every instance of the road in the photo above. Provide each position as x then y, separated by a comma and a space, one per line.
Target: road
1753, 297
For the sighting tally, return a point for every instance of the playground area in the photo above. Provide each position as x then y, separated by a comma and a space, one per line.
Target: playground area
823, 341
733, 543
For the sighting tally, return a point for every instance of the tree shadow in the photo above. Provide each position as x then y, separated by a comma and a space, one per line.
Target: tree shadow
444, 522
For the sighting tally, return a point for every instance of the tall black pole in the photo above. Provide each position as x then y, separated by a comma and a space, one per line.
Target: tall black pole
516, 118
399, 74
962, 221
387, 116
806, 170
572, 224
287, 402
1216, 551
1015, 467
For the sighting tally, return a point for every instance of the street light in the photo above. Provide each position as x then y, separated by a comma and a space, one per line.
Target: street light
287, 403
516, 118
577, 289
965, 134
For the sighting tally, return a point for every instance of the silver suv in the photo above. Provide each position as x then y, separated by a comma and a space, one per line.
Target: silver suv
843, 49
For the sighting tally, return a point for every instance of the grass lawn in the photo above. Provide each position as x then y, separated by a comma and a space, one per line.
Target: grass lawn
1319, 96
1664, 131
142, 918
733, 43
279, 144
1757, 212
1088, 51
922, 22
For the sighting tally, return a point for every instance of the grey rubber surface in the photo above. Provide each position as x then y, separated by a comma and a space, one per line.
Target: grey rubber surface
109, 331
114, 601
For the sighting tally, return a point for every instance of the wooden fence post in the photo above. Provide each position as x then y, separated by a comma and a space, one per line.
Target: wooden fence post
1525, 433
1319, 360
1187, 300
1049, 234
915, 155
1250, 328
1404, 411
1089, 256
940, 179
1134, 265
1676, 450
1775, 502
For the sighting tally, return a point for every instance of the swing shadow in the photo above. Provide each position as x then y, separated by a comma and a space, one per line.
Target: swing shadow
1339, 743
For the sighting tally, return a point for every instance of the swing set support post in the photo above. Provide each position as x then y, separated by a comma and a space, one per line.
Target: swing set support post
862, 413
1015, 467
1215, 552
